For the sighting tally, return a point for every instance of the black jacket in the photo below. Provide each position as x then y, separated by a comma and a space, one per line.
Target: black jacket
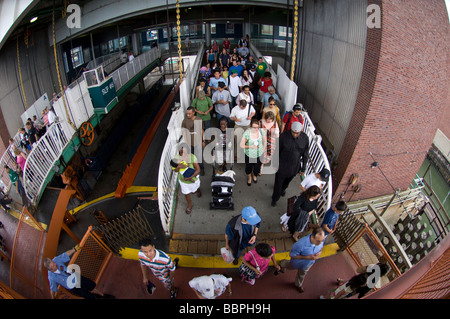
293, 153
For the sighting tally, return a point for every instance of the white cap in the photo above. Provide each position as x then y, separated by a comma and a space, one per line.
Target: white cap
205, 286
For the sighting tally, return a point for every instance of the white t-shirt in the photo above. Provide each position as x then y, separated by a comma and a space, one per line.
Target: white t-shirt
312, 180
235, 83
242, 114
220, 284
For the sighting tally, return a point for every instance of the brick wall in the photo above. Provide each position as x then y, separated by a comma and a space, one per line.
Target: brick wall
402, 96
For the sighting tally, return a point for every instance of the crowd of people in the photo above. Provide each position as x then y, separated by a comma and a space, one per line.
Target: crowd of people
19, 149
238, 93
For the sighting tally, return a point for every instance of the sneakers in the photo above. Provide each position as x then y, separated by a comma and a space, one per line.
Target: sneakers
150, 288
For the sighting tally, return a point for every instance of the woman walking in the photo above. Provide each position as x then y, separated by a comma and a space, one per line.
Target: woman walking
254, 143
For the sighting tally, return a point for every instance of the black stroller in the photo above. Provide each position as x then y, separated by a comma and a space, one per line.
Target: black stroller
222, 192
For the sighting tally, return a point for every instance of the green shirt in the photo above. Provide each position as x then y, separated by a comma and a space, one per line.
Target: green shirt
13, 176
251, 152
261, 68
202, 105
190, 164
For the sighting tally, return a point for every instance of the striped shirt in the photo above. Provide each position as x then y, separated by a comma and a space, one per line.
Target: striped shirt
161, 265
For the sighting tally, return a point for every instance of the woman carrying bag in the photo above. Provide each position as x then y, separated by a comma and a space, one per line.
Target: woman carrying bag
256, 262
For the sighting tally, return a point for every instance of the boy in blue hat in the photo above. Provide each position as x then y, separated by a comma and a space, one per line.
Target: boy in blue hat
241, 232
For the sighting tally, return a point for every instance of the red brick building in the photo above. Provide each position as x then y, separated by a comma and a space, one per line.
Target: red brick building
402, 99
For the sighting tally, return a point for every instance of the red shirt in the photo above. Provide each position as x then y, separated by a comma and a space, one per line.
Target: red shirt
265, 84
226, 44
293, 119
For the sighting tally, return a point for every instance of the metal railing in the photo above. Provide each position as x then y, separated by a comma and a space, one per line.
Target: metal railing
74, 107
43, 156
167, 180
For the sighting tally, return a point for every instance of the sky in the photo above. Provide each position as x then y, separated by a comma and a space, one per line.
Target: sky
447, 2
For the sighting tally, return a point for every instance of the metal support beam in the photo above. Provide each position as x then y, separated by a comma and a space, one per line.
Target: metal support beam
391, 236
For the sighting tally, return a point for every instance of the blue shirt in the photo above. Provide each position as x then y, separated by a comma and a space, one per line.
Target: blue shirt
238, 68
246, 233
329, 219
304, 247
60, 276
213, 82
266, 98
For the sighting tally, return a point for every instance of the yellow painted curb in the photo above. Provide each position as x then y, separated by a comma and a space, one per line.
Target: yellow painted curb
130, 190
189, 261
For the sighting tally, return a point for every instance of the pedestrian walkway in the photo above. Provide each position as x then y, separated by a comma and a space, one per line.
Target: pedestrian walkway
319, 280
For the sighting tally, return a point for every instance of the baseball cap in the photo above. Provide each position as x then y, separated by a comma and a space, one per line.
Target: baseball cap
298, 106
250, 215
234, 71
296, 127
206, 286
324, 174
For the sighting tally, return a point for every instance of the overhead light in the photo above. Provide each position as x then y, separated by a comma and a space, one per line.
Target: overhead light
33, 19
374, 164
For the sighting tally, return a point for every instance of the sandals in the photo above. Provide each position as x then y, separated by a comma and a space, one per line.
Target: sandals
188, 210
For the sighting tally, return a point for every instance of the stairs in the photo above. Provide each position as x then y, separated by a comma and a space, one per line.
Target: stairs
210, 244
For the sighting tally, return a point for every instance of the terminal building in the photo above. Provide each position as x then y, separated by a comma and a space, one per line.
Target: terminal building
372, 77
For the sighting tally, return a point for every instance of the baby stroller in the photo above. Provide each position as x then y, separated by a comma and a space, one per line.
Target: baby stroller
222, 192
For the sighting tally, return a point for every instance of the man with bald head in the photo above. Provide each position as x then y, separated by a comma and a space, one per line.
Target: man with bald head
293, 156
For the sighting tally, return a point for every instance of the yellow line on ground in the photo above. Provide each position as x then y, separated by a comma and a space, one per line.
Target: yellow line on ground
130, 190
217, 261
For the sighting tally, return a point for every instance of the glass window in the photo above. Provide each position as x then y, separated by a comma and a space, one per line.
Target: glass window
266, 29
213, 28
282, 31
77, 56
229, 28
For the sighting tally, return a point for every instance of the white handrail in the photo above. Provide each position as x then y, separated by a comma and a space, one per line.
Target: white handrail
167, 180
43, 156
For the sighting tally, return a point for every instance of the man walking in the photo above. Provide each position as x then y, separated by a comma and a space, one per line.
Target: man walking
304, 254
160, 264
293, 156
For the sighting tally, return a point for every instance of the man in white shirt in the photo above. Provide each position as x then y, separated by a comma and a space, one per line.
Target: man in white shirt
234, 82
242, 114
317, 179
50, 116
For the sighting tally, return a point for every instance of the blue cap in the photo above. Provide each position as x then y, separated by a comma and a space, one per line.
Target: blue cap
250, 215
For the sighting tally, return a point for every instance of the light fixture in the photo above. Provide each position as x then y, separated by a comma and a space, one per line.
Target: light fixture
353, 179
374, 164
33, 19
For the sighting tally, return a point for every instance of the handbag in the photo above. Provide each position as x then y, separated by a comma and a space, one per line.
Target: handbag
246, 271
290, 205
